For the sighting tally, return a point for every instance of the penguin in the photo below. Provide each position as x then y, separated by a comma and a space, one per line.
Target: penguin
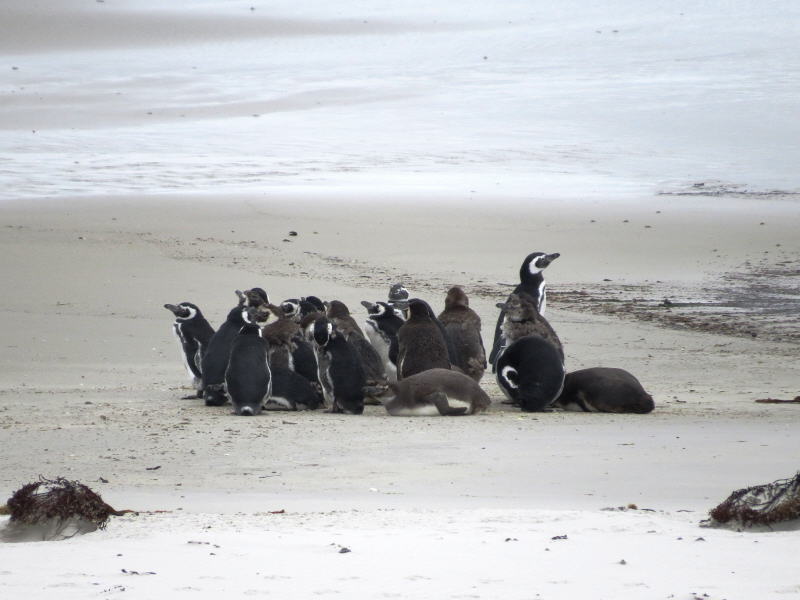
398, 298
463, 326
531, 373
194, 332
248, 380
603, 389
436, 392
341, 372
253, 297
374, 371
521, 319
420, 343
531, 282
318, 304
215, 360
297, 308
452, 353
382, 324
292, 391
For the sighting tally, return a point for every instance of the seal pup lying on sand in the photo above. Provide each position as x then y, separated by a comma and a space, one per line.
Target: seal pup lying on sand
436, 392
603, 389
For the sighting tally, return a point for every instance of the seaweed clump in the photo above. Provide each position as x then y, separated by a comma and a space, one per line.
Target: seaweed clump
761, 504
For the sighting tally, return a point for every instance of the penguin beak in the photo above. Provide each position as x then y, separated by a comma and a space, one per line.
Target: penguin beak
177, 310
547, 259
241, 295
368, 305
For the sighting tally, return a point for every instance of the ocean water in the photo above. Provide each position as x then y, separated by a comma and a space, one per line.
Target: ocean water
522, 99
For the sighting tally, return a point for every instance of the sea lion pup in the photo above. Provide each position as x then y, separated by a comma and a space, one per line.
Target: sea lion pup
463, 326
436, 392
248, 379
382, 324
341, 372
603, 389
531, 282
420, 343
521, 319
193, 332
531, 373
215, 359
374, 371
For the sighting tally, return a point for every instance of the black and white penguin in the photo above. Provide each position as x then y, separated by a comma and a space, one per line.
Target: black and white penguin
531, 373
532, 283
398, 298
420, 342
382, 324
248, 380
215, 360
463, 326
253, 297
292, 391
603, 389
318, 304
341, 372
193, 332
297, 308
521, 319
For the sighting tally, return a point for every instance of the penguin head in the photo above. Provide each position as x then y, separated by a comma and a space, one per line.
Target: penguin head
291, 307
337, 309
262, 315
185, 311
456, 298
419, 309
314, 301
398, 296
253, 297
535, 263
324, 331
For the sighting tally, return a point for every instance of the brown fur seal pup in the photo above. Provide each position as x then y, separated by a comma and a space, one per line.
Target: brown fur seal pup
522, 318
436, 392
420, 343
602, 389
463, 325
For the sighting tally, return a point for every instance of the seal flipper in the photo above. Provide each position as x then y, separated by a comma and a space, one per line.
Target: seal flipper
439, 400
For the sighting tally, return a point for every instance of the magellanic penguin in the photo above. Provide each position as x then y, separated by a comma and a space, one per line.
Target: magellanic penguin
531, 282
382, 324
421, 344
215, 360
436, 392
521, 319
292, 391
341, 371
297, 308
463, 326
398, 298
531, 373
603, 389
374, 370
193, 332
253, 297
248, 380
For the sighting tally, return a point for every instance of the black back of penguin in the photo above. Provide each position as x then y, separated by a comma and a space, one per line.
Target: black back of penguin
215, 360
293, 391
532, 283
247, 376
421, 343
530, 373
345, 373
193, 332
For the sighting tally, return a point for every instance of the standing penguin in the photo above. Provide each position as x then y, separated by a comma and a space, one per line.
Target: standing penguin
521, 319
463, 326
382, 324
421, 344
531, 373
247, 377
194, 332
215, 360
398, 298
531, 282
343, 375
253, 297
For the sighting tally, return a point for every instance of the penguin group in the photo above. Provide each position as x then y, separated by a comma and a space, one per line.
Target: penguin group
306, 354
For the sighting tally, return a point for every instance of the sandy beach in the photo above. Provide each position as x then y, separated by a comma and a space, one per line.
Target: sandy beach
676, 264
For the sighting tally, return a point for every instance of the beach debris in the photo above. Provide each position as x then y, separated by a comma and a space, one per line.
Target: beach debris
292, 233
623, 562
559, 537
54, 509
759, 505
795, 400
344, 550
127, 572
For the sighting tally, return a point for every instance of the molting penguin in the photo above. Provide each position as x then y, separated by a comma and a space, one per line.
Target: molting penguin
531, 373
253, 297
602, 389
215, 360
297, 308
521, 319
374, 371
436, 392
382, 324
341, 372
293, 391
463, 326
421, 344
531, 282
248, 379
194, 332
